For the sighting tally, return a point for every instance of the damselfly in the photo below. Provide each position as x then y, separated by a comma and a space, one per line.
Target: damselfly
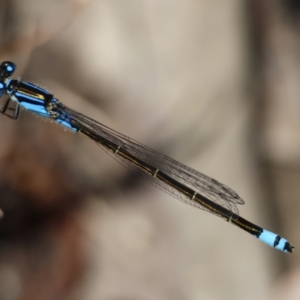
182, 182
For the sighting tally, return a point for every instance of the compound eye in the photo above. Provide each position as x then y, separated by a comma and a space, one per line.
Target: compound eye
7, 68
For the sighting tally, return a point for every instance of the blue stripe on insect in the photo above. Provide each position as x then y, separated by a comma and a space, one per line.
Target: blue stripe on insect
35, 108
37, 88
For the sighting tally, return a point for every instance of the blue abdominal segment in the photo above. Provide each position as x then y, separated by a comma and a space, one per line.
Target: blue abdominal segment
274, 240
65, 121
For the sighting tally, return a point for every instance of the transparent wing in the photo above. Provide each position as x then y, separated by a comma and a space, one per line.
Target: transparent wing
201, 183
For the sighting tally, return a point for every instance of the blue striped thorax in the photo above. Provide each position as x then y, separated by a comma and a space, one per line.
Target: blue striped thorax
31, 97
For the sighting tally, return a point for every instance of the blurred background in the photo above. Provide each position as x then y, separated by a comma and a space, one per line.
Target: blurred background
213, 84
